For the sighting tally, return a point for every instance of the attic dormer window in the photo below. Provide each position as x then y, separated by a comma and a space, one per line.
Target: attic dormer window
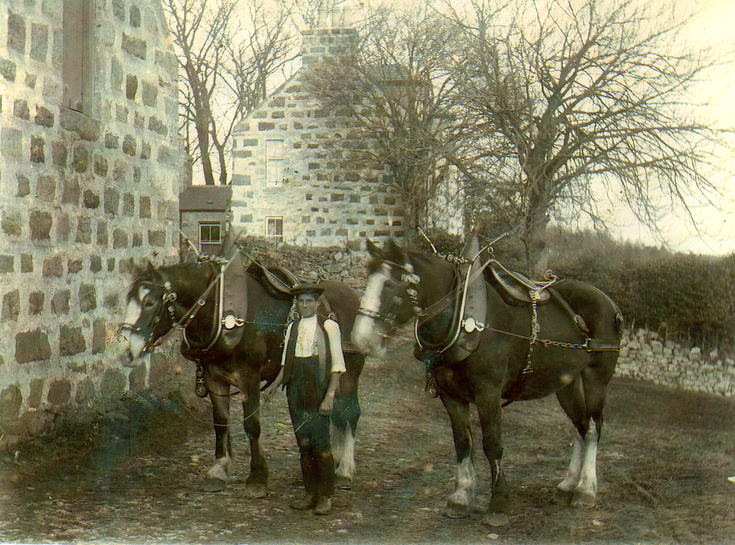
77, 66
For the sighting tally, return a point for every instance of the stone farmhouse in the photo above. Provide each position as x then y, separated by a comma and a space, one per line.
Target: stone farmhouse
90, 168
294, 174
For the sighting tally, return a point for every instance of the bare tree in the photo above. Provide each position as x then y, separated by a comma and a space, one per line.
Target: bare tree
570, 93
225, 62
395, 89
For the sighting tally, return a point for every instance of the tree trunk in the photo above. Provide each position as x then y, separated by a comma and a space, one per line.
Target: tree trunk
203, 118
202, 126
222, 164
534, 231
537, 252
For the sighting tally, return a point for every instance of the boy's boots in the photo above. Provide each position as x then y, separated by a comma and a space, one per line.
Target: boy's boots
323, 505
325, 483
308, 472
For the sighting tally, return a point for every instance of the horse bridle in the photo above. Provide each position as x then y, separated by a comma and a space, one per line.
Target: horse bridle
407, 284
168, 298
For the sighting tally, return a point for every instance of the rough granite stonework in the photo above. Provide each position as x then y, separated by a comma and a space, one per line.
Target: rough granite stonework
325, 193
75, 189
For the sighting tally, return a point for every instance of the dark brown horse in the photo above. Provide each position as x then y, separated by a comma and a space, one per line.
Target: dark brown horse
572, 354
186, 295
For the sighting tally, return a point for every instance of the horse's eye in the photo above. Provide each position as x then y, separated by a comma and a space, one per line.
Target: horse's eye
148, 303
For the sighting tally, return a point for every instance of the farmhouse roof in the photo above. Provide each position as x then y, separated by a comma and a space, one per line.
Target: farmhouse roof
205, 197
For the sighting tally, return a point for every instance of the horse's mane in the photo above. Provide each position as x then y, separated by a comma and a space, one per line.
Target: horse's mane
152, 274
417, 257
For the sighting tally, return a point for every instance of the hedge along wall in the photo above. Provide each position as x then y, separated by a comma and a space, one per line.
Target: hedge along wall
690, 298
83, 195
342, 263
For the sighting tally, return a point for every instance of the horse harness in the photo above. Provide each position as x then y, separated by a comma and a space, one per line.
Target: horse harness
226, 318
527, 291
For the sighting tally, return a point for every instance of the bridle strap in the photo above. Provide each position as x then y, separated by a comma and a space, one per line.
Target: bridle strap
170, 296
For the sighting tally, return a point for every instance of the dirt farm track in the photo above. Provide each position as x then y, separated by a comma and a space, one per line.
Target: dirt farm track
664, 462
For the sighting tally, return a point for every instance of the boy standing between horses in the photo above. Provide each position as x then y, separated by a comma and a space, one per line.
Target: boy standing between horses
311, 365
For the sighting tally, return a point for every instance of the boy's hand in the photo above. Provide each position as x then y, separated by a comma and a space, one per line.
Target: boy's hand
266, 395
326, 406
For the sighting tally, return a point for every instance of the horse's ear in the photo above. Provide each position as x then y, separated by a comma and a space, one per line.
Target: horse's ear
150, 270
136, 270
392, 246
373, 249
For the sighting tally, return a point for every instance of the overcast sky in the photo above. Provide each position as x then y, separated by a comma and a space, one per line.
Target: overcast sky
711, 27
714, 233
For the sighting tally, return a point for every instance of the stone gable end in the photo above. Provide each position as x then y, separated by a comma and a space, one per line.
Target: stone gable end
298, 175
90, 173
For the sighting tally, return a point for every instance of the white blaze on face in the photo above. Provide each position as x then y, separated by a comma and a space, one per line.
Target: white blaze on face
132, 314
364, 332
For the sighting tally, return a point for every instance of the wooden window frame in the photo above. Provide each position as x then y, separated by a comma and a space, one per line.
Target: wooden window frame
210, 247
77, 74
274, 159
277, 221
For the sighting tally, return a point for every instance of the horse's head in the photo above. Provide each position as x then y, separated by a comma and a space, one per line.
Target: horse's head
391, 297
150, 311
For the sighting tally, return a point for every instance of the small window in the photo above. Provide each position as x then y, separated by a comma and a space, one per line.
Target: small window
274, 228
273, 162
210, 237
77, 67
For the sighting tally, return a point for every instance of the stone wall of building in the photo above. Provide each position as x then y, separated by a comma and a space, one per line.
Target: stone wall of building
646, 355
324, 194
82, 197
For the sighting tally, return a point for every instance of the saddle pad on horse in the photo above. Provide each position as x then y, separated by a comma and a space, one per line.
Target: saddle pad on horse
277, 280
234, 301
474, 303
517, 285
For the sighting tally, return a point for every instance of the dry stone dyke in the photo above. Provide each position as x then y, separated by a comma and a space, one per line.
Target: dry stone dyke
646, 355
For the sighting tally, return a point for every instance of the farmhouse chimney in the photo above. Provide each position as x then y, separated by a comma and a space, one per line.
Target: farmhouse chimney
334, 36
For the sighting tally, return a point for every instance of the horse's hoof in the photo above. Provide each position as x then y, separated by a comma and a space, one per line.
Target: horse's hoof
496, 519
256, 490
583, 499
457, 511
213, 485
499, 503
562, 497
342, 482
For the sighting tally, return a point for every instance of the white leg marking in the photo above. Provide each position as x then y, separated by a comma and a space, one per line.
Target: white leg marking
571, 480
588, 475
346, 464
464, 491
221, 469
364, 332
